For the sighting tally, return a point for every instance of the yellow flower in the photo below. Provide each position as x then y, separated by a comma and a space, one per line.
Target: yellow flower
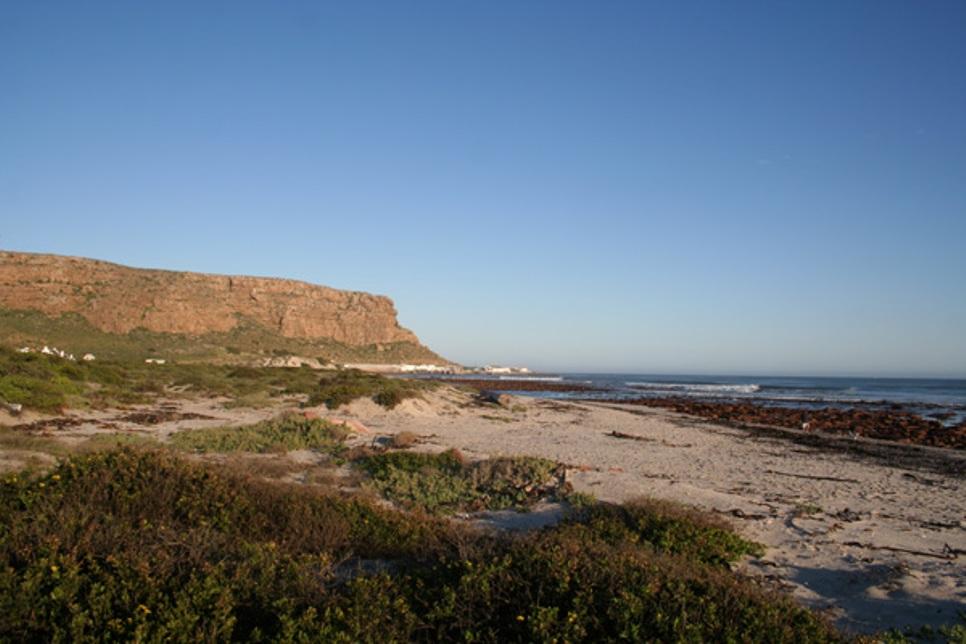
520, 618
144, 609
54, 569
56, 477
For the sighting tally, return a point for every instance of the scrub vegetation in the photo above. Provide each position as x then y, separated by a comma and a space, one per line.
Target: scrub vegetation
431, 483
346, 386
127, 537
43, 383
445, 483
290, 432
143, 544
247, 341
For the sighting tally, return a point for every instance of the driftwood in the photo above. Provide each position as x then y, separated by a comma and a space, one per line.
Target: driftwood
617, 434
741, 514
497, 398
814, 478
645, 439
947, 553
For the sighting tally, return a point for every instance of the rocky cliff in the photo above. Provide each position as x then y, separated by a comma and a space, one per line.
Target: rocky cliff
118, 299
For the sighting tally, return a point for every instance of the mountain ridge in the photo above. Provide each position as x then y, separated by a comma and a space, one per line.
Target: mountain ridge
118, 300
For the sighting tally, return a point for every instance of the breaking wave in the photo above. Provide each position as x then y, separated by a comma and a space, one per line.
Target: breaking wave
695, 388
534, 378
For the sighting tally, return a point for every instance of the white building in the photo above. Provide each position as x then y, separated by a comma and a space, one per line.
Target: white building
493, 369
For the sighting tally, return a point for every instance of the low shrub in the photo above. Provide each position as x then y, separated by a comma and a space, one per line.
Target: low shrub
289, 432
389, 398
343, 387
664, 526
445, 483
134, 545
108, 441
555, 586
49, 394
949, 633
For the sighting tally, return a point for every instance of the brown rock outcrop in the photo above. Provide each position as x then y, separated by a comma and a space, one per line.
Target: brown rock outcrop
118, 299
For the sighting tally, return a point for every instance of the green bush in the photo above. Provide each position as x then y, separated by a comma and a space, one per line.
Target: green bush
130, 545
389, 398
445, 483
49, 394
38, 381
287, 433
949, 633
382, 465
664, 526
343, 387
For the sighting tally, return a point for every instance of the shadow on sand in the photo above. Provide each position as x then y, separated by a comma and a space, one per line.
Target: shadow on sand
874, 597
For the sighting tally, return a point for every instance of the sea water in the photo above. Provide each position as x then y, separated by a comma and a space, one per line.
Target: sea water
929, 397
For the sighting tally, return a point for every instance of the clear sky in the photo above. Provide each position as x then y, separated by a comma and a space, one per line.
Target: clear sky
745, 187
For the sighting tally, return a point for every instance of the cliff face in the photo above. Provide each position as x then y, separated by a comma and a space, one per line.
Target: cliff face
118, 299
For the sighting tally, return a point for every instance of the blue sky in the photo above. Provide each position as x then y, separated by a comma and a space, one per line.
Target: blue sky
757, 187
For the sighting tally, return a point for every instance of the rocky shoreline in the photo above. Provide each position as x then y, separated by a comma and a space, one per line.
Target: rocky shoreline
884, 424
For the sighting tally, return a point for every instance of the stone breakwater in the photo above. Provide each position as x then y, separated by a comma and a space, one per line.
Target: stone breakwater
118, 299
894, 424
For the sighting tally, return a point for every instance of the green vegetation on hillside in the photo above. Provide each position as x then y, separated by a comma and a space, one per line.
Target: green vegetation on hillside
247, 341
48, 383
144, 545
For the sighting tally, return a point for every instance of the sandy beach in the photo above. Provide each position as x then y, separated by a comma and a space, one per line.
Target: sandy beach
872, 533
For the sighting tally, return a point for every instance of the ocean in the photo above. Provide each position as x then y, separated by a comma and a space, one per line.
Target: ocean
942, 399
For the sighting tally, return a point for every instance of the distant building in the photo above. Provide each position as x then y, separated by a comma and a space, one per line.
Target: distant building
493, 369
423, 368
